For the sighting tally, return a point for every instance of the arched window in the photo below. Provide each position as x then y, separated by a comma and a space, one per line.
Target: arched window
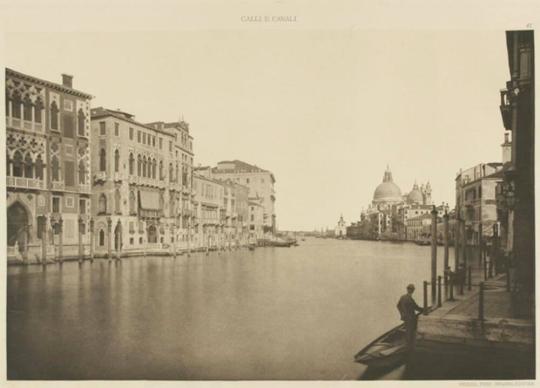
144, 167
28, 166
176, 173
171, 173
9, 163
102, 160
27, 109
37, 110
16, 106
101, 238
102, 204
139, 165
132, 202
172, 204
154, 165
117, 201
116, 161
131, 164
54, 115
152, 234
82, 172
160, 170
81, 120
55, 169
149, 173
17, 164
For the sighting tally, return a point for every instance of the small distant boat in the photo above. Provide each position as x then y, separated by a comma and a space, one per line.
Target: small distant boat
389, 350
251, 247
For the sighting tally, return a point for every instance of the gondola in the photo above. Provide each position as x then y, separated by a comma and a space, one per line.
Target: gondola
389, 350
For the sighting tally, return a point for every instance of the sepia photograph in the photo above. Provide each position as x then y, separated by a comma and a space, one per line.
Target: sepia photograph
267, 201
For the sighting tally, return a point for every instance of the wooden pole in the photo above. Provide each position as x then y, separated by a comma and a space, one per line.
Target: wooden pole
469, 276
61, 240
79, 240
481, 305
91, 239
439, 289
446, 242
451, 298
425, 297
463, 242
433, 254
43, 222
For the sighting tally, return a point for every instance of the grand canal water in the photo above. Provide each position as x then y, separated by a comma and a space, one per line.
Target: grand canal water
273, 313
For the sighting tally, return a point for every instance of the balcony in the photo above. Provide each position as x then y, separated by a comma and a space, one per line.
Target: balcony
118, 177
506, 109
25, 183
100, 177
57, 185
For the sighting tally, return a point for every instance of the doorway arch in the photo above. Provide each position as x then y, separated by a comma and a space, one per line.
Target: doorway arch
17, 221
118, 237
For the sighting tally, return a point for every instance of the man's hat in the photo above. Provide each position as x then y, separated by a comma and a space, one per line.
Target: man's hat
410, 287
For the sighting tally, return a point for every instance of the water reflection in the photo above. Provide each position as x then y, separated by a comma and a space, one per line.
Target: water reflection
272, 313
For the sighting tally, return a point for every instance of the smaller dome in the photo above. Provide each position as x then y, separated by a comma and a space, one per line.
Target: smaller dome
415, 196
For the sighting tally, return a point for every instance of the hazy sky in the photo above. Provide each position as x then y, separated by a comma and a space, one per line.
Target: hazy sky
325, 111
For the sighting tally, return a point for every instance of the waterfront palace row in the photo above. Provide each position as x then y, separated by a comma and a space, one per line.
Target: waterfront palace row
94, 182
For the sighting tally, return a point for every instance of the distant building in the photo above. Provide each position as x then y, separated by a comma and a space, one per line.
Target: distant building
341, 229
476, 204
260, 183
141, 185
236, 214
256, 219
210, 216
47, 168
390, 209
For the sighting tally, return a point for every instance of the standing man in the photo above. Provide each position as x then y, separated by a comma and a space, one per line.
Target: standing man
407, 309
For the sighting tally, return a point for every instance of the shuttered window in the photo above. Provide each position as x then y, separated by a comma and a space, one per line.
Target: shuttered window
69, 168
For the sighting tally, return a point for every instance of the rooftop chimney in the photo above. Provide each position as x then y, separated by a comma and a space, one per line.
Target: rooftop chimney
506, 149
67, 80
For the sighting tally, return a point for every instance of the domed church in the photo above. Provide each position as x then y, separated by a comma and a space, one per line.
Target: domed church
390, 209
387, 193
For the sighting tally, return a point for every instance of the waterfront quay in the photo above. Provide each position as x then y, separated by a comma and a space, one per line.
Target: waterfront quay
271, 313
477, 335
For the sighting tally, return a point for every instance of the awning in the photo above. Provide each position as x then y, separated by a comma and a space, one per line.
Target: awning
149, 200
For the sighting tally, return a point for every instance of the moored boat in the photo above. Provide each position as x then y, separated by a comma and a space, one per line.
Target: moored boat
388, 350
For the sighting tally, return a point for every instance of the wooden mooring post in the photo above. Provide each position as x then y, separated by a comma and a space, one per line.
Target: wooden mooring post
439, 291
451, 298
481, 305
425, 297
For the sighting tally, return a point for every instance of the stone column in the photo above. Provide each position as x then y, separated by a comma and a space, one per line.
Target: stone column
109, 232
60, 239
91, 239
79, 236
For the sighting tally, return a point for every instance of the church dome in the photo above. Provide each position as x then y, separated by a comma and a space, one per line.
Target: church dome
415, 196
387, 191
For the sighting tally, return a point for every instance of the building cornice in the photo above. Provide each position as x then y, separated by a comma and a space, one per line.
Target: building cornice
48, 84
